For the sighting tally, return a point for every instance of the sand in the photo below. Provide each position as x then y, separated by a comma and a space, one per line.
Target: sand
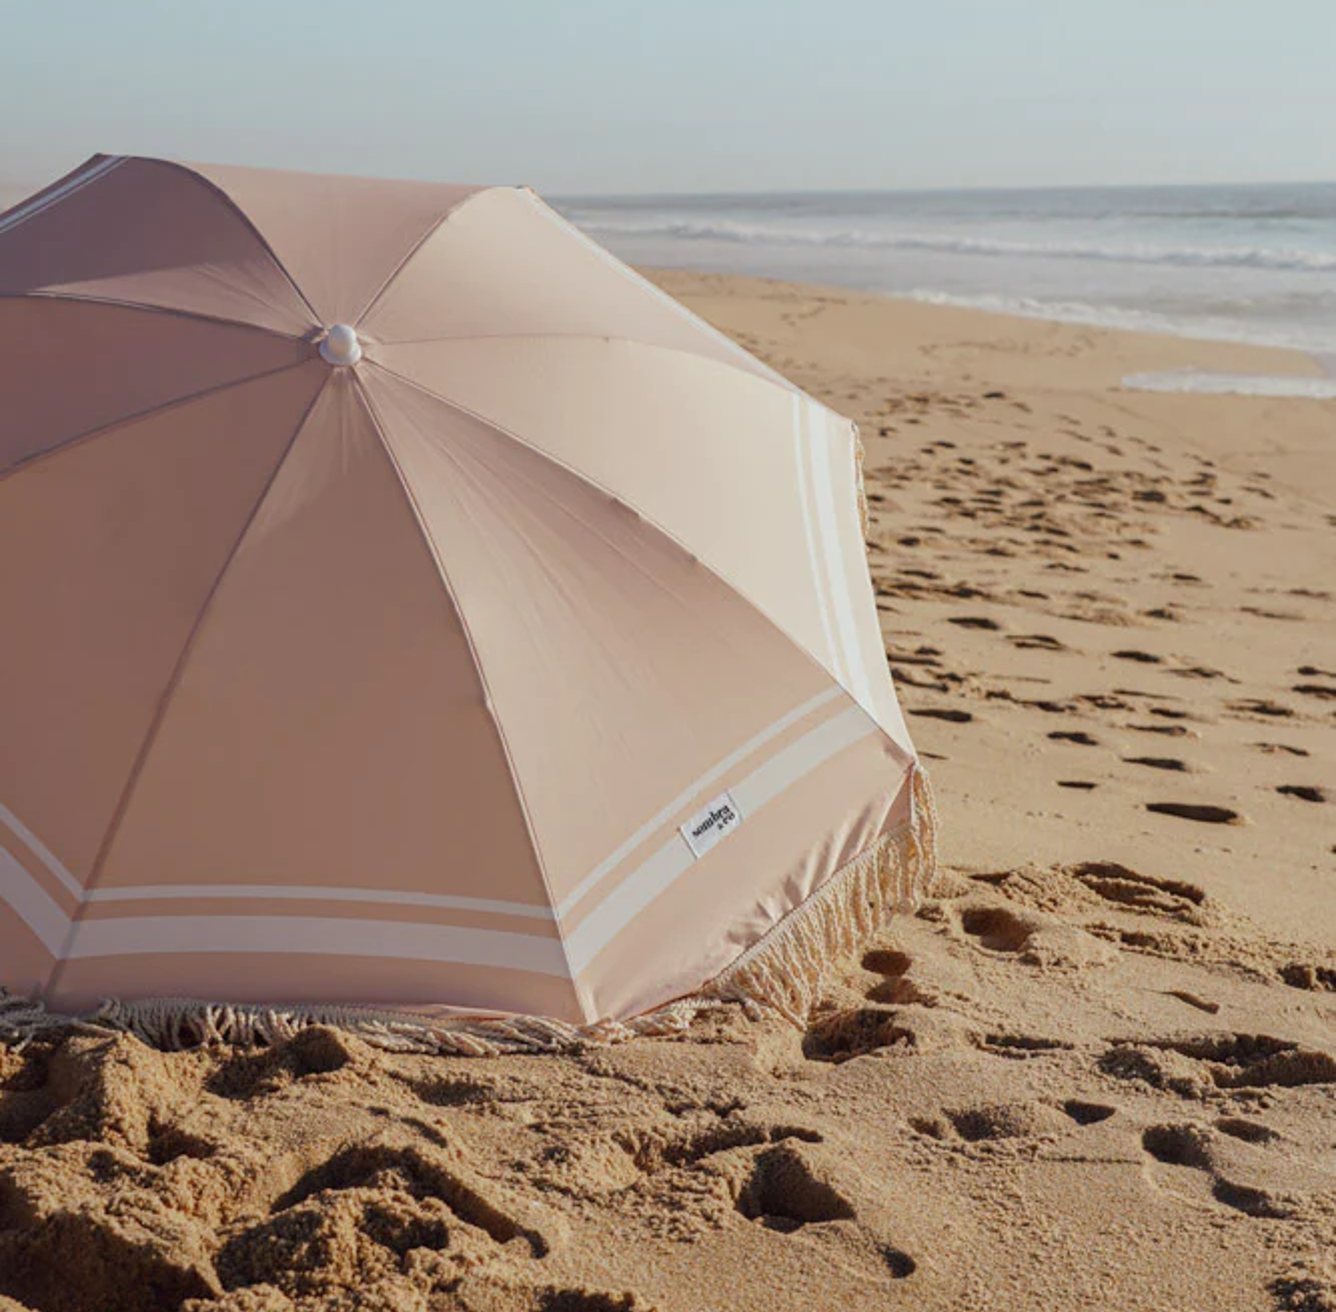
1097, 1071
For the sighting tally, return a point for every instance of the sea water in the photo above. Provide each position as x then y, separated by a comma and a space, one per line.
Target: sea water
1251, 263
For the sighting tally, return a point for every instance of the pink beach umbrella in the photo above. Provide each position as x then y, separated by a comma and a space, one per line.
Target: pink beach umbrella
405, 604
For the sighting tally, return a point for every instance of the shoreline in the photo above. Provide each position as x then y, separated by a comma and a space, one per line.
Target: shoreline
925, 340
1317, 363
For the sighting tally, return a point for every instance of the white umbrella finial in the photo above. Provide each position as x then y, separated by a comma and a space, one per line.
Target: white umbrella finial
341, 346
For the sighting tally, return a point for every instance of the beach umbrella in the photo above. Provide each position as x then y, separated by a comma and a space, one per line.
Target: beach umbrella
405, 604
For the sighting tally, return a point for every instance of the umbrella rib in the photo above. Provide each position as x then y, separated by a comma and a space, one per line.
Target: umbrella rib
769, 378
246, 219
148, 307
431, 231
489, 700
173, 682
644, 284
608, 492
101, 430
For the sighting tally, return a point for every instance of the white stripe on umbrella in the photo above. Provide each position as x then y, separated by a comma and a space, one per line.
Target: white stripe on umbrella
692, 791
35, 206
675, 858
318, 893
836, 573
801, 443
47, 857
150, 935
317, 936
390, 897
32, 903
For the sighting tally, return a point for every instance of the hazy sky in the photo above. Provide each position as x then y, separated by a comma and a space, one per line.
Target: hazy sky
679, 95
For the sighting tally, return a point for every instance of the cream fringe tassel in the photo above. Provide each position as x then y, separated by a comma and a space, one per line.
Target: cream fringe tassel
785, 969
860, 455
782, 971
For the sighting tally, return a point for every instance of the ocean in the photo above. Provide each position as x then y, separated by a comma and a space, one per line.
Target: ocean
1254, 263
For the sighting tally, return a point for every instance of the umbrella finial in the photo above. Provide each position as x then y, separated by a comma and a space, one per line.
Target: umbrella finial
340, 346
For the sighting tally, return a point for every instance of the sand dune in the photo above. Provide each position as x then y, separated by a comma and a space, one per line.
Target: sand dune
1097, 1071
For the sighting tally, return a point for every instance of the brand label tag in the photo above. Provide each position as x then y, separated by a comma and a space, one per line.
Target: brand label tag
714, 821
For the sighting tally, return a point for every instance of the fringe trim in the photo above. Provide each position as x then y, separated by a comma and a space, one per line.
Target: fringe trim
860, 455
175, 1024
782, 971
786, 968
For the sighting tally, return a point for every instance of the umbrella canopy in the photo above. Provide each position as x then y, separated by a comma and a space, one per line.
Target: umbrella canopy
407, 604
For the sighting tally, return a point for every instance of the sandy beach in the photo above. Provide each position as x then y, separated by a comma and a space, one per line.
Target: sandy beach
1096, 1070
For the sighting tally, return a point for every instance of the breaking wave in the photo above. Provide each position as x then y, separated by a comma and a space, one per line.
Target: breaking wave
1199, 380
1187, 324
1243, 257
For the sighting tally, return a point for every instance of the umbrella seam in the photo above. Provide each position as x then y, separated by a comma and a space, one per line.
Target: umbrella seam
489, 702
431, 231
103, 430
173, 682
247, 220
635, 510
781, 384
638, 279
149, 307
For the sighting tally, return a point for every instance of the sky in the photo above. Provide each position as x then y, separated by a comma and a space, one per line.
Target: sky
619, 96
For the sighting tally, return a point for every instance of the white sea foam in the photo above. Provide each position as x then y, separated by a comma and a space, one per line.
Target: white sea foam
1143, 321
1200, 380
1193, 257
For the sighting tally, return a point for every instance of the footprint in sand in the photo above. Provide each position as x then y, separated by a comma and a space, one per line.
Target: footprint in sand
996, 929
1322, 690
909, 679
1074, 736
1306, 975
991, 1123
899, 1264
1145, 657
1081, 785
1304, 792
841, 1035
1159, 762
651, 1151
1261, 706
555, 1298
419, 1172
950, 715
1210, 815
1019, 1047
1195, 1065
1201, 672
1249, 1131
313, 1052
1273, 748
1201, 1148
782, 1191
1130, 890
919, 656
894, 986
